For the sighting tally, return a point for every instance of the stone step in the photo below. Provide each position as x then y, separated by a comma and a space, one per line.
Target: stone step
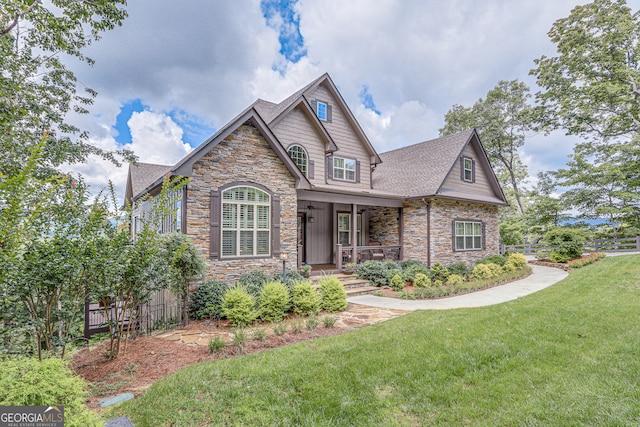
363, 290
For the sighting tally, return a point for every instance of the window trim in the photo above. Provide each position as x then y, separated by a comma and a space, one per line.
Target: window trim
215, 228
454, 237
344, 169
306, 171
326, 110
464, 169
358, 231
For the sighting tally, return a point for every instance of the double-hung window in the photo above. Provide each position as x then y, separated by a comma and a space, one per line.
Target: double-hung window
344, 229
468, 235
246, 222
344, 169
467, 173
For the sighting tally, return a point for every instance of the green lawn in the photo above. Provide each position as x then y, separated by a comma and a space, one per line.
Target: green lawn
566, 356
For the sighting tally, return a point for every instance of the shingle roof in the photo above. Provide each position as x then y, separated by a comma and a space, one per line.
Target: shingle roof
419, 169
143, 175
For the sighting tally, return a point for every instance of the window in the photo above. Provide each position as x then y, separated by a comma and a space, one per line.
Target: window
344, 169
322, 111
246, 222
468, 235
467, 166
299, 156
344, 229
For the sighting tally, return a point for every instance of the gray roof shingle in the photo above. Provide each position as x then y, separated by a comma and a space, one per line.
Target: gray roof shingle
145, 174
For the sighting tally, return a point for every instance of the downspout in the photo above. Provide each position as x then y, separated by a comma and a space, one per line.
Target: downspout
428, 233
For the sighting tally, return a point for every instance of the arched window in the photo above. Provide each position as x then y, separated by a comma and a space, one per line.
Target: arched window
246, 222
300, 157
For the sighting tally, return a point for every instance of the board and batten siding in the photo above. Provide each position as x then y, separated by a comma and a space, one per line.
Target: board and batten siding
454, 181
345, 137
295, 128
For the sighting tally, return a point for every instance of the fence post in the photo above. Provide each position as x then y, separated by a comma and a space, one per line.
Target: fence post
595, 244
638, 242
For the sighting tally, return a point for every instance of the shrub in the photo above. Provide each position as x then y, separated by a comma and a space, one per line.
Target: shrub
406, 295
455, 280
305, 299
311, 323
493, 259
407, 263
31, 382
460, 269
439, 272
259, 334
279, 328
568, 241
216, 344
496, 270
273, 302
589, 259
333, 296
329, 321
411, 270
238, 306
558, 256
293, 277
206, 301
378, 273
517, 259
240, 339
254, 281
421, 281
397, 282
509, 267
484, 272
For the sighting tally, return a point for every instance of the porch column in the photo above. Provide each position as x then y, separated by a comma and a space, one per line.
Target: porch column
354, 232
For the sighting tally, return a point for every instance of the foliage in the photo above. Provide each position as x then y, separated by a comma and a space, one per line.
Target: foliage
557, 256
517, 259
567, 241
31, 382
305, 299
273, 302
293, 277
502, 119
259, 334
459, 268
455, 280
254, 281
397, 282
329, 321
484, 272
409, 271
493, 259
584, 261
240, 338
378, 273
421, 281
238, 306
408, 263
333, 297
206, 301
279, 329
215, 345
406, 295
311, 323
439, 272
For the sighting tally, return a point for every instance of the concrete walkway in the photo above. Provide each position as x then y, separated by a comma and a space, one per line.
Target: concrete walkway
541, 278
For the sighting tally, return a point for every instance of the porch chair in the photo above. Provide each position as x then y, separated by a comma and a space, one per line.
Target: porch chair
376, 254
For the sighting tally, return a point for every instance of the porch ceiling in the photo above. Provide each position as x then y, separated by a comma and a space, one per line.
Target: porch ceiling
356, 197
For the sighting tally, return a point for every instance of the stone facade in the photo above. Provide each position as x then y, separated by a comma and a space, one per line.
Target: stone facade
384, 226
243, 156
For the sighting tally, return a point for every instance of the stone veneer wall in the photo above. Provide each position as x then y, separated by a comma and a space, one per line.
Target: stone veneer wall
242, 156
383, 226
443, 212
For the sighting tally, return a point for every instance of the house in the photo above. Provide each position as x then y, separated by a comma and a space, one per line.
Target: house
299, 180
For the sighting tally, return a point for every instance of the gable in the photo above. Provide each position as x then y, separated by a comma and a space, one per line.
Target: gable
479, 184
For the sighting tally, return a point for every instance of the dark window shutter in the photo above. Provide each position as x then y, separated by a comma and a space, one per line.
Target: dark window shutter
314, 106
275, 226
311, 170
357, 171
453, 235
473, 171
329, 111
484, 242
462, 168
330, 167
214, 230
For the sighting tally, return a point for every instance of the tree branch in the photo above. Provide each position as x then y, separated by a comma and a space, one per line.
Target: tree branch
17, 16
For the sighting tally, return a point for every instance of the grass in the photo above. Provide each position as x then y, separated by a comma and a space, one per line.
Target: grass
566, 356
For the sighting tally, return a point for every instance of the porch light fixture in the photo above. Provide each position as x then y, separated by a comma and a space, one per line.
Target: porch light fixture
283, 257
310, 217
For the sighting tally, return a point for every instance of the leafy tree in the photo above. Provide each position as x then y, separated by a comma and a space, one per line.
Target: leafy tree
37, 90
502, 120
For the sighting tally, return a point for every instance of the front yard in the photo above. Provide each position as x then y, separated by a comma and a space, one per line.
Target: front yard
567, 355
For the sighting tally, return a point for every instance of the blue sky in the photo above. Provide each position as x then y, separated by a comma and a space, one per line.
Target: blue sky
175, 72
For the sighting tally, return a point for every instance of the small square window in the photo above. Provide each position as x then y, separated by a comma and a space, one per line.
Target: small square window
322, 110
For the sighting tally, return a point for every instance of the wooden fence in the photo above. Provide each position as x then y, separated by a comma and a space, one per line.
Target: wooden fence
631, 244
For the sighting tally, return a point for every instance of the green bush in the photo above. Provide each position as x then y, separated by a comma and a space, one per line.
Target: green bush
378, 273
305, 299
273, 302
567, 241
517, 259
333, 296
50, 382
397, 282
411, 270
216, 345
493, 259
254, 281
484, 272
206, 301
460, 269
407, 263
421, 281
558, 256
455, 280
293, 277
238, 306
439, 272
